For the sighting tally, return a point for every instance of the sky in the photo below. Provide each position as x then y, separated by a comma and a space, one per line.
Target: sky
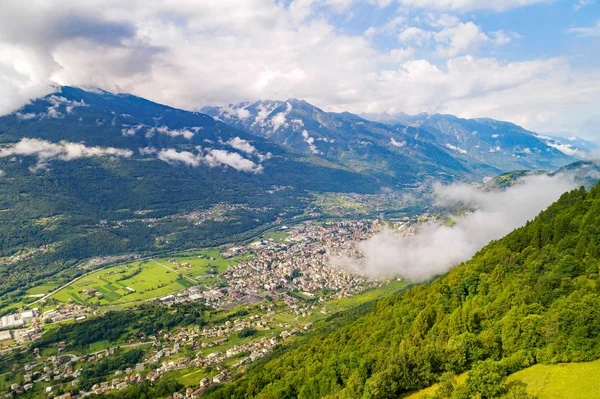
532, 62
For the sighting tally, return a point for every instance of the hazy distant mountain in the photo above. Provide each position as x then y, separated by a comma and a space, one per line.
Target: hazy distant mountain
483, 147
574, 146
502, 145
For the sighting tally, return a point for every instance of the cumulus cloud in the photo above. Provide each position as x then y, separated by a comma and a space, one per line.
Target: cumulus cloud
435, 248
194, 53
455, 148
241, 145
459, 39
57, 104
46, 151
279, 119
229, 111
173, 156
232, 159
131, 130
245, 147
147, 150
468, 5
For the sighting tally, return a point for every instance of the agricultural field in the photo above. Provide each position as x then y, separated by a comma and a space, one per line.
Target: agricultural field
41, 290
132, 283
547, 381
561, 381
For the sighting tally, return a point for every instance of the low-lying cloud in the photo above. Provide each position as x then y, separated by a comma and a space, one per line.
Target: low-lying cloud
186, 133
210, 157
436, 248
45, 151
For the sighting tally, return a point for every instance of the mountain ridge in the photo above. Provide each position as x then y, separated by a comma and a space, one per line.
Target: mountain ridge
483, 146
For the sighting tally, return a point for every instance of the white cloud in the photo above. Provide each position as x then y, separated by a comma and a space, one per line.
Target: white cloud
437, 248
459, 39
239, 112
194, 53
210, 157
592, 31
46, 151
186, 133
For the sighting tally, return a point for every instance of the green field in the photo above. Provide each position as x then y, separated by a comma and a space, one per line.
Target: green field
562, 381
131, 283
553, 381
42, 289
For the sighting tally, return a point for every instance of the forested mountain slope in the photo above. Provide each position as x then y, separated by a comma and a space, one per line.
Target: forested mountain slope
530, 297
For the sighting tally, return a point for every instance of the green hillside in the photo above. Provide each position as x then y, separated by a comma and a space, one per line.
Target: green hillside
531, 297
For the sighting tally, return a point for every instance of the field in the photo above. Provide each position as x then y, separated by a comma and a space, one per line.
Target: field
135, 282
554, 381
558, 381
42, 289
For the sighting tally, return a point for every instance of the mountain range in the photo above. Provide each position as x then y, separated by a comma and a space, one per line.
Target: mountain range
88, 173
404, 148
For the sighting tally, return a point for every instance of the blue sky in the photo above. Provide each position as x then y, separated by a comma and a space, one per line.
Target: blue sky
532, 62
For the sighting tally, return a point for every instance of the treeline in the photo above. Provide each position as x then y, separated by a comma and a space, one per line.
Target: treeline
533, 296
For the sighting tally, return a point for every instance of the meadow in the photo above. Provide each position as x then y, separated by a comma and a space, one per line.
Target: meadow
547, 381
132, 283
561, 381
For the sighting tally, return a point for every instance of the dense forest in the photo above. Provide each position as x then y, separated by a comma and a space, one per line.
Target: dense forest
531, 297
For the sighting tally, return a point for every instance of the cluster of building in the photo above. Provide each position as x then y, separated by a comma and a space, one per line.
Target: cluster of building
300, 263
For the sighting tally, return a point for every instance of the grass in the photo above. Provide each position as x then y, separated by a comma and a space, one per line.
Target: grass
111, 284
558, 381
547, 381
431, 390
42, 289
150, 279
